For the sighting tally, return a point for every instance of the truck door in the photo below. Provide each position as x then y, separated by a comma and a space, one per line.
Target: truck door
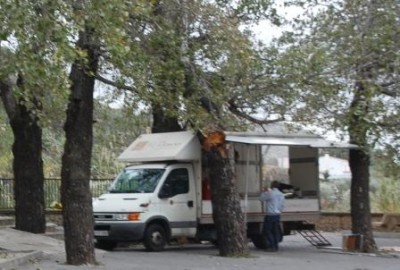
178, 201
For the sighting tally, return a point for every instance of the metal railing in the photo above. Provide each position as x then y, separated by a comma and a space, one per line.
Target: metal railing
51, 191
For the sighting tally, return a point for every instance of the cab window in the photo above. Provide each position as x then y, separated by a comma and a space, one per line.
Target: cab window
177, 182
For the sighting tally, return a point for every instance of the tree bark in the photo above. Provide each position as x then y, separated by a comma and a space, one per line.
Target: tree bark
360, 204
76, 161
27, 163
227, 213
359, 161
163, 123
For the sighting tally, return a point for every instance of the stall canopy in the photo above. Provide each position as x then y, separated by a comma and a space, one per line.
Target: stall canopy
313, 141
185, 146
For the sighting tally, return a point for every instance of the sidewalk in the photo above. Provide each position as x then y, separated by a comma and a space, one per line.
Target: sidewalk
18, 247
22, 250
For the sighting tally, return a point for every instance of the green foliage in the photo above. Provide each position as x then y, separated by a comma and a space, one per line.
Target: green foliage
181, 52
35, 33
52, 148
38, 43
386, 171
386, 163
114, 130
252, 10
169, 54
335, 196
337, 48
5, 145
386, 197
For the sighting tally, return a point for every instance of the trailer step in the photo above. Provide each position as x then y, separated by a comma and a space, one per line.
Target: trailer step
314, 238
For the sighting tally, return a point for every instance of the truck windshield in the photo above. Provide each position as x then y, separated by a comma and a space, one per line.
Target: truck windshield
136, 181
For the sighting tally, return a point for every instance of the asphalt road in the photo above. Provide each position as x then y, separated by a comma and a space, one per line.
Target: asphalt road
295, 254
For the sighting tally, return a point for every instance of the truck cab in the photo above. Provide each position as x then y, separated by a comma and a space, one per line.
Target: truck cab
150, 203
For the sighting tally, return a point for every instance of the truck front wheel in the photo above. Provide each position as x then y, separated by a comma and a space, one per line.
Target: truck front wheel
155, 238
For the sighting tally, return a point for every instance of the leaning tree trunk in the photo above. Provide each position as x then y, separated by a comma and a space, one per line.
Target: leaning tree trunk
227, 213
76, 162
27, 164
359, 161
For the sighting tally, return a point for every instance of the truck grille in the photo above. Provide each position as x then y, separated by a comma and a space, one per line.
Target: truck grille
101, 216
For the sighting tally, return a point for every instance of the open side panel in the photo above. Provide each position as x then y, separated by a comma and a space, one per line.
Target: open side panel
303, 174
303, 170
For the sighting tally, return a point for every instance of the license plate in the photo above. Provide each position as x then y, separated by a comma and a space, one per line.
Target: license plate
101, 233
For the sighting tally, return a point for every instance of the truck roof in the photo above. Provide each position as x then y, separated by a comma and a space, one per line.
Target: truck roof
182, 146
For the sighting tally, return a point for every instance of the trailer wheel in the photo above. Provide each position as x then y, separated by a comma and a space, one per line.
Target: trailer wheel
155, 238
259, 241
105, 244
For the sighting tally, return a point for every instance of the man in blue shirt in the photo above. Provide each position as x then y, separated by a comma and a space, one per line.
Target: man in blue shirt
274, 203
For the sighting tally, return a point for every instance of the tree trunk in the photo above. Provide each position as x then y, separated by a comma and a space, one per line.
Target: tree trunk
360, 205
27, 164
163, 123
359, 161
227, 213
76, 197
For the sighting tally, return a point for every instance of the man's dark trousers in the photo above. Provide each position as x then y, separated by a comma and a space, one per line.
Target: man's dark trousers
272, 231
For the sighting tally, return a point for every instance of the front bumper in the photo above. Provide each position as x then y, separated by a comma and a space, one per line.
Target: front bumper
119, 231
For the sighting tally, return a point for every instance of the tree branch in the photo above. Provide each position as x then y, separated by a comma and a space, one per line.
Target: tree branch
388, 92
6, 93
235, 110
114, 84
389, 124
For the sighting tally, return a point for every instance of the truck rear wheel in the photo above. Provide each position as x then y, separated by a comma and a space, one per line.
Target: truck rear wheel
259, 241
105, 244
155, 238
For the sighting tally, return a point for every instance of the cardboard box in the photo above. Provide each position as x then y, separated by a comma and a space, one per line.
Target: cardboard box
352, 242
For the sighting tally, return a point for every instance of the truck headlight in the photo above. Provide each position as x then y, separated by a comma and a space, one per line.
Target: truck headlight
133, 216
121, 216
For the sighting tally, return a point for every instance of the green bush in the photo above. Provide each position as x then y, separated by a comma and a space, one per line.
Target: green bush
335, 196
386, 197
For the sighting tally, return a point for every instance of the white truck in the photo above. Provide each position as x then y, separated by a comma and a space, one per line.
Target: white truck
162, 194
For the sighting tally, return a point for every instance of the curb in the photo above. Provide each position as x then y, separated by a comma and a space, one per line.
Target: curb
382, 234
380, 253
19, 258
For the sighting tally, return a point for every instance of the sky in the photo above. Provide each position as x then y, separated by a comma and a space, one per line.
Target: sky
265, 31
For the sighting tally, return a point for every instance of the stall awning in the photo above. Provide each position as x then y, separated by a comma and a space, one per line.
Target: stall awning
286, 140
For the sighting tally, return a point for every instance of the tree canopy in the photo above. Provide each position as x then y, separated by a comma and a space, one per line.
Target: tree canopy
342, 59
337, 45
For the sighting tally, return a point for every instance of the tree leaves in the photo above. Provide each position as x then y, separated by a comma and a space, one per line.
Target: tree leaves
339, 46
